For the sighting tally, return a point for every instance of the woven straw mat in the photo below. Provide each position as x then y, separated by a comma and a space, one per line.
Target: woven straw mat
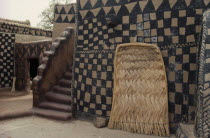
140, 99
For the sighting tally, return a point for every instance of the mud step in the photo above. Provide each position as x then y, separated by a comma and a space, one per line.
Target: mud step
48, 53
55, 106
68, 75
41, 69
52, 114
62, 90
57, 97
44, 60
65, 83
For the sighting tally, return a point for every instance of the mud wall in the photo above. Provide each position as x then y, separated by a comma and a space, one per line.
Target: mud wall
27, 22
23, 29
173, 25
64, 17
7, 44
24, 51
19, 38
203, 107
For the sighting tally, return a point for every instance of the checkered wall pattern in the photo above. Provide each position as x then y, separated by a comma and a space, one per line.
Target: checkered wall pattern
181, 69
6, 59
172, 25
65, 13
93, 72
203, 106
94, 35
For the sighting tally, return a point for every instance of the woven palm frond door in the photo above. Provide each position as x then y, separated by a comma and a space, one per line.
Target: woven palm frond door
140, 98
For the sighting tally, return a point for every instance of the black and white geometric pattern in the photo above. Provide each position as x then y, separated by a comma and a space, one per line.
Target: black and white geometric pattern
173, 25
95, 35
65, 13
6, 59
64, 16
181, 68
23, 29
203, 106
93, 78
23, 52
169, 27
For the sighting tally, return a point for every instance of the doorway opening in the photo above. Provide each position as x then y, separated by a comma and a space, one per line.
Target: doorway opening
34, 64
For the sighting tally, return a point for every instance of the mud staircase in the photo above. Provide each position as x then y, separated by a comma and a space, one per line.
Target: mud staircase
57, 103
52, 85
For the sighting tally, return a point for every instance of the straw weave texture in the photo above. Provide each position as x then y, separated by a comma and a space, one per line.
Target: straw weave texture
140, 99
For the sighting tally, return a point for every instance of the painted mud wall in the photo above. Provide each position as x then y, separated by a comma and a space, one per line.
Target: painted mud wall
23, 29
23, 52
24, 32
7, 43
26, 23
203, 107
64, 17
21, 38
173, 25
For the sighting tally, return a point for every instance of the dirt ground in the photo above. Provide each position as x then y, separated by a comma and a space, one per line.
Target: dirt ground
13, 102
37, 127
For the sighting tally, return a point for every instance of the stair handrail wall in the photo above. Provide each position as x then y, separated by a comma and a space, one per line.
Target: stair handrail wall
53, 65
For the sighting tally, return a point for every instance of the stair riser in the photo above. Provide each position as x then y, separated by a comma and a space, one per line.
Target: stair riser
56, 109
66, 92
68, 77
66, 85
52, 99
